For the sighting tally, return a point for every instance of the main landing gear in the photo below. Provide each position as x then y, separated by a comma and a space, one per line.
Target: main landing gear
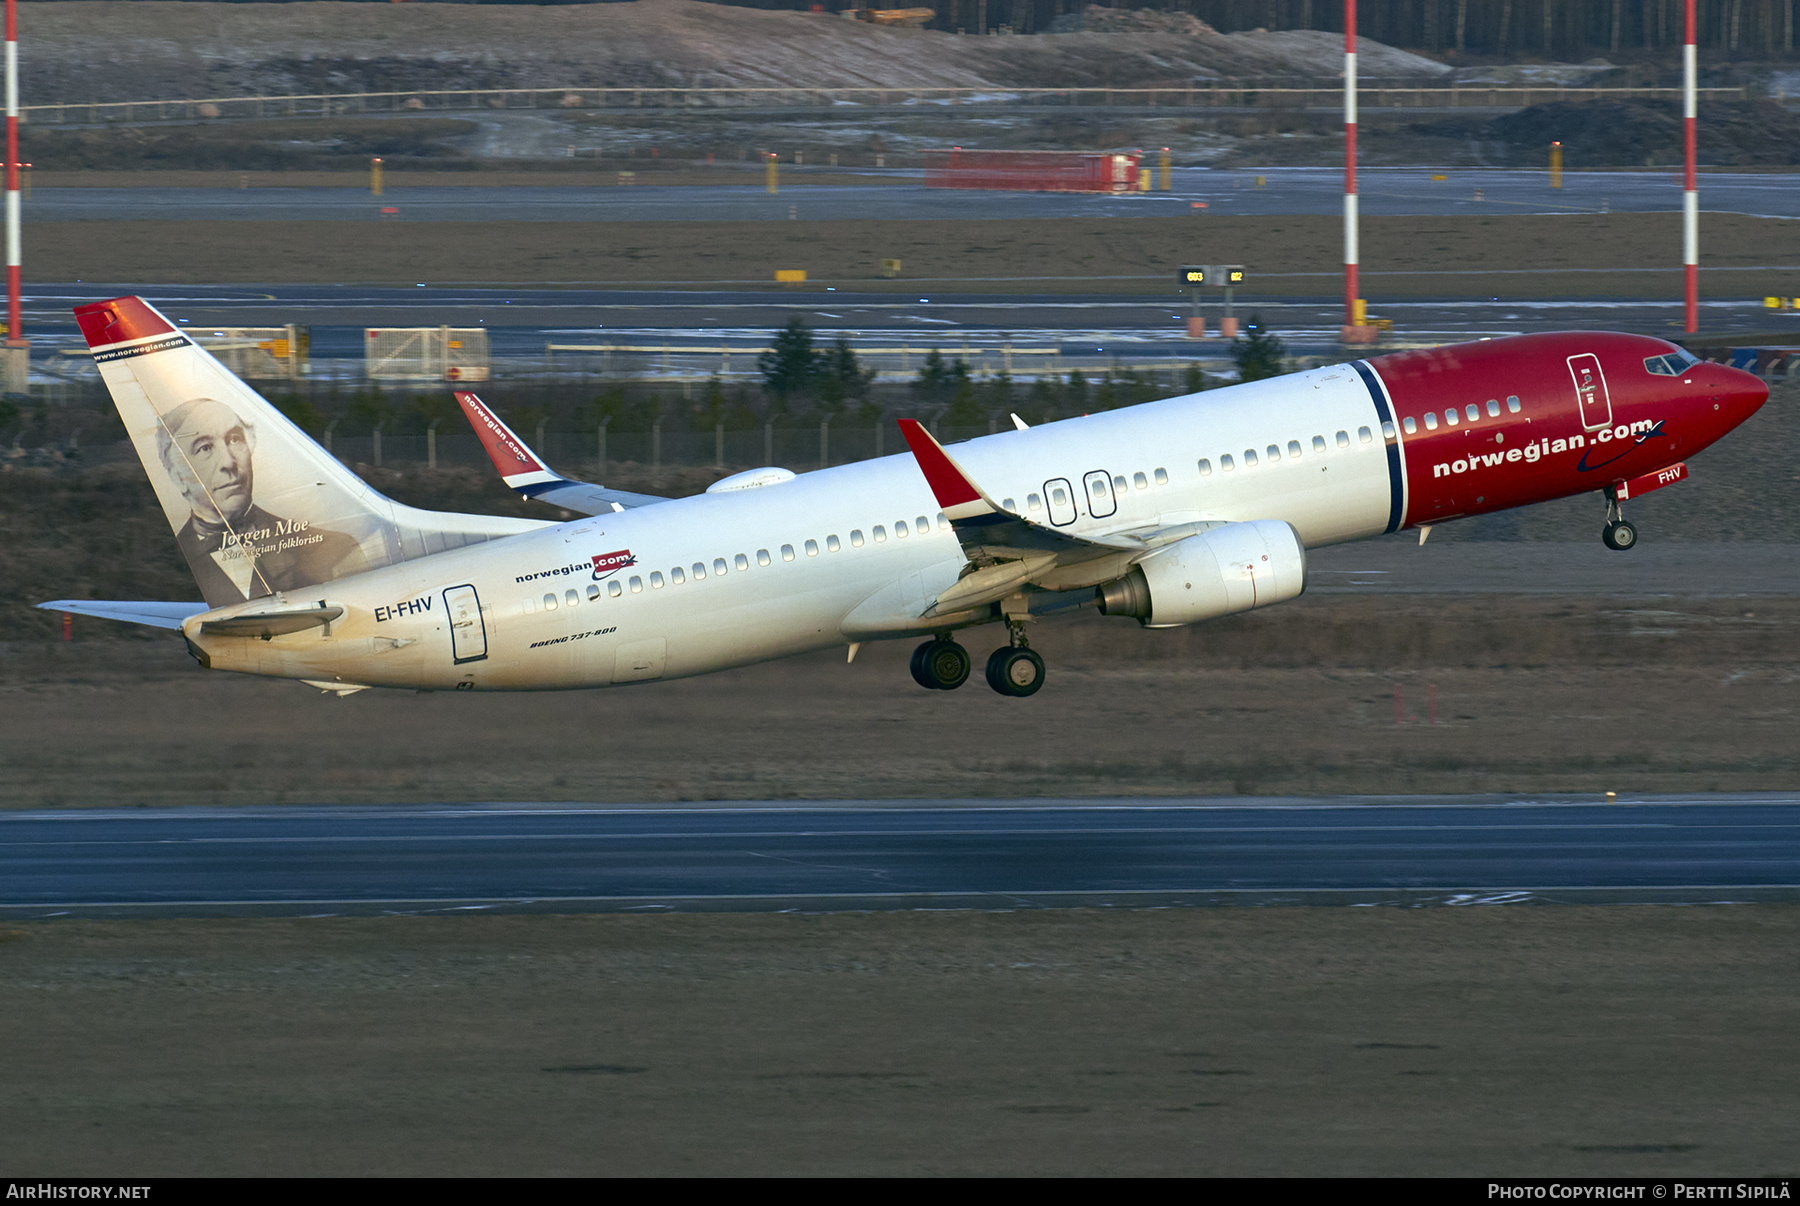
1618, 533
940, 665
1013, 669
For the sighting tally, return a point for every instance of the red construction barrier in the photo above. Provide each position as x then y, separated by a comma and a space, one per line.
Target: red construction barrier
1032, 171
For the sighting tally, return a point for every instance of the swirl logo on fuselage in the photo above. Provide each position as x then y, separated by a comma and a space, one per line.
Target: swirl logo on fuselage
1628, 442
608, 564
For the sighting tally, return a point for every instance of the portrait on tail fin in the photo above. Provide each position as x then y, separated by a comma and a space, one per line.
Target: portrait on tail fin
236, 549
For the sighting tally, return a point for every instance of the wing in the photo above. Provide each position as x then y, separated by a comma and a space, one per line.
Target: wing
1008, 552
521, 468
157, 615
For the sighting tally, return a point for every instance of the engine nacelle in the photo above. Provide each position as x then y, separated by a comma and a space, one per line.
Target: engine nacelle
1233, 568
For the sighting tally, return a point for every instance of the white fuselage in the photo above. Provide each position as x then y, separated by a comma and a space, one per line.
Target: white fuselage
821, 560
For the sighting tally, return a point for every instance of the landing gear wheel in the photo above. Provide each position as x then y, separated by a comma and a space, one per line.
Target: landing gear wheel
940, 665
1619, 534
1014, 670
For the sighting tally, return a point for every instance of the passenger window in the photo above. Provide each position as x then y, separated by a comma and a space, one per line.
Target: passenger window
1493, 409
1059, 497
1431, 420
1119, 484
719, 566
762, 556
1140, 481
550, 602
1007, 504
923, 525
677, 576
1033, 501
741, 561
656, 580
1274, 452
900, 528
1512, 403
1450, 416
832, 544
787, 552
593, 591
1225, 463
1412, 428
572, 597
943, 521
699, 571
856, 538
1249, 458
1319, 443
1162, 477
1294, 449
1472, 411
1205, 467
637, 585
614, 589
880, 533
812, 548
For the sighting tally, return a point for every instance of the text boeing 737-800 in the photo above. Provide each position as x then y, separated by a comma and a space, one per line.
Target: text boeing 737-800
1170, 512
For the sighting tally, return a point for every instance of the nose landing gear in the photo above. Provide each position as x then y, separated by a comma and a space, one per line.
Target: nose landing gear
1618, 533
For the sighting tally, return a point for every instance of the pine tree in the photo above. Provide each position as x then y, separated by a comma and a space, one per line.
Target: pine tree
1258, 354
790, 366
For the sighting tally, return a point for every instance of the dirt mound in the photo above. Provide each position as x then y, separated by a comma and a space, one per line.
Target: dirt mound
1636, 133
109, 50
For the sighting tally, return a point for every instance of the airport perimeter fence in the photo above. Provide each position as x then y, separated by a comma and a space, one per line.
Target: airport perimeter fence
596, 455
1279, 93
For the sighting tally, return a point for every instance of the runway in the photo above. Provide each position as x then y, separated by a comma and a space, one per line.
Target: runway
738, 315
877, 855
1284, 191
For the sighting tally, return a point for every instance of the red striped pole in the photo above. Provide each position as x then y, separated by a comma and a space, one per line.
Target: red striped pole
1690, 196
15, 312
1350, 249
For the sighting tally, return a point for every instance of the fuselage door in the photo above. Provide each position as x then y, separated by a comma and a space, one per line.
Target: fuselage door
1059, 496
1590, 391
468, 634
1101, 502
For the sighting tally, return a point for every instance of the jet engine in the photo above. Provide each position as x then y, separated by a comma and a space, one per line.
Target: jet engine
1232, 568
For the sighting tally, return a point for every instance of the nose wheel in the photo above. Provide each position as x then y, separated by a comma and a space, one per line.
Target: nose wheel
940, 665
1618, 533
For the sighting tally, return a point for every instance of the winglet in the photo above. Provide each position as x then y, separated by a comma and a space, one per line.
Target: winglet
955, 491
517, 463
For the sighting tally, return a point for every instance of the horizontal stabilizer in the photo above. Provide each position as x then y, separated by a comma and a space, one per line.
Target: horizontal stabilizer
525, 472
155, 614
268, 624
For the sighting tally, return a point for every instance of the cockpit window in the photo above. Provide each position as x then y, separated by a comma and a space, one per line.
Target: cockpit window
1672, 365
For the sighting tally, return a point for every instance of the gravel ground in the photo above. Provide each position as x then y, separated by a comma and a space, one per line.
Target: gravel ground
1623, 1041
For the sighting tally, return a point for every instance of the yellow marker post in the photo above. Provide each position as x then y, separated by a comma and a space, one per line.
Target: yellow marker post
790, 276
1359, 313
375, 176
890, 268
1143, 180
774, 173
1556, 165
1165, 170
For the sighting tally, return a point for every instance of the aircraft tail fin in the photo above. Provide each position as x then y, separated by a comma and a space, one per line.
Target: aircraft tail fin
255, 504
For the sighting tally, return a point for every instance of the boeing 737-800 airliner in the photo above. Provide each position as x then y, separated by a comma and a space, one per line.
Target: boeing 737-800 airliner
1170, 512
